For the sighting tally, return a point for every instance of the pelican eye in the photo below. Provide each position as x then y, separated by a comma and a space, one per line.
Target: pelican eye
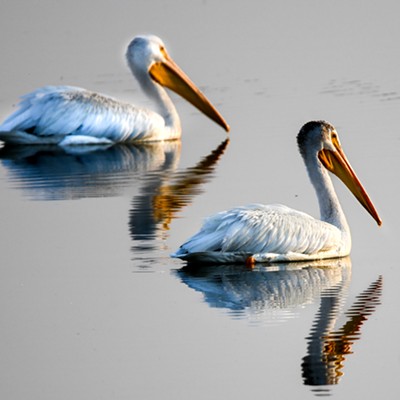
163, 51
335, 139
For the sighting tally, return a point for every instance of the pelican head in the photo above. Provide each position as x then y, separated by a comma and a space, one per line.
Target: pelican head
152, 65
319, 140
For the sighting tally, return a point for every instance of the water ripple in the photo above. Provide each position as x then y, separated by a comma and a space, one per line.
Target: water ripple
148, 173
266, 294
328, 347
359, 88
56, 173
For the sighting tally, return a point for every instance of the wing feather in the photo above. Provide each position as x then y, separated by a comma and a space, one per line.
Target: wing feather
262, 229
66, 110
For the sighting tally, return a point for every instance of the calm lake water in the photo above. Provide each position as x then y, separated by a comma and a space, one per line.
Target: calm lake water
92, 305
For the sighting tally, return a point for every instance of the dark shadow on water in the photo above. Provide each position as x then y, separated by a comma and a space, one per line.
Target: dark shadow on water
271, 294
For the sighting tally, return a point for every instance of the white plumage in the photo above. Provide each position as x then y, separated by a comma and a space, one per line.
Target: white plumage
276, 233
69, 115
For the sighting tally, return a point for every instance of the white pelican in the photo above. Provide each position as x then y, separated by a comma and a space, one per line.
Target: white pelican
68, 115
276, 233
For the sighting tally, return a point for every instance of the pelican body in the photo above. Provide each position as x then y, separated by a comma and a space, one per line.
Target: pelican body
276, 233
66, 115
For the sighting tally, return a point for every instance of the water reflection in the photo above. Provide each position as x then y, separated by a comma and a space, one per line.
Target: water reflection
151, 170
273, 293
328, 347
162, 196
266, 292
56, 173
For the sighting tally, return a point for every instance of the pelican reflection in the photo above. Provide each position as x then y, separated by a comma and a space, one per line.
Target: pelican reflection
328, 346
164, 195
273, 293
56, 173
149, 170
266, 291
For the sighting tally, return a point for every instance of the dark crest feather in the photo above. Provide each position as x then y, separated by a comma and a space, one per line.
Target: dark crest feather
306, 129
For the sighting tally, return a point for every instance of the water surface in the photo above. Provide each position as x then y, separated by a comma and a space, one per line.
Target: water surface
93, 306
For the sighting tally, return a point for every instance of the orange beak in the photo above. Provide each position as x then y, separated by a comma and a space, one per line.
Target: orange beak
168, 74
337, 163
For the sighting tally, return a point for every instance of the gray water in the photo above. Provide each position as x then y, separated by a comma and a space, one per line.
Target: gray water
93, 307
